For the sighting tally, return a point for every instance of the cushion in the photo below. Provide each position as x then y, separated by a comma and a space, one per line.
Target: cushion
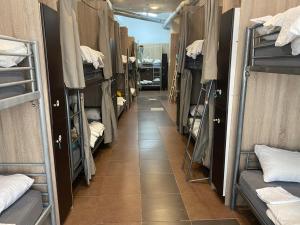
278, 164
12, 188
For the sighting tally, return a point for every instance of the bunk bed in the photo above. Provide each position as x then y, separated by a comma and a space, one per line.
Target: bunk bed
261, 55
35, 206
150, 76
93, 99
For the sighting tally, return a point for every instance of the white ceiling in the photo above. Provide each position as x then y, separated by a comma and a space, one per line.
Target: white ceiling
157, 6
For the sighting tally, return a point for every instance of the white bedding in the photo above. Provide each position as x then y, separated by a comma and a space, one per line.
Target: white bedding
286, 214
195, 49
12, 188
199, 112
196, 126
289, 24
120, 101
14, 48
97, 130
124, 59
93, 114
92, 56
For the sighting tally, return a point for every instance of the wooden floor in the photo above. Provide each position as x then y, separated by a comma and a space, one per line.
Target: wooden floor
139, 179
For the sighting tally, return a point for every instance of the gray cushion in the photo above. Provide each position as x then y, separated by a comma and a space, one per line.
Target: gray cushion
25, 211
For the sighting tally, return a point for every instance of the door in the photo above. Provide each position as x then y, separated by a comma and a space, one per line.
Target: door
224, 56
50, 22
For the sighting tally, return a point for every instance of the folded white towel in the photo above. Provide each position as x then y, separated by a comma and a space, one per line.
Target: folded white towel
195, 49
92, 56
286, 214
272, 217
14, 48
276, 195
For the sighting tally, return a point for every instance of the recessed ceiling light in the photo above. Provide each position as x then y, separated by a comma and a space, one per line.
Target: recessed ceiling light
154, 7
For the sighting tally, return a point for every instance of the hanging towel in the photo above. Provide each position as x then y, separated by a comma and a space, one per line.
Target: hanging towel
185, 99
108, 113
89, 164
210, 46
70, 45
276, 195
286, 214
104, 40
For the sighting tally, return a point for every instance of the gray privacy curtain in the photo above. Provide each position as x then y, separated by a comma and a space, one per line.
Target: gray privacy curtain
108, 113
104, 39
203, 147
185, 99
89, 167
70, 45
182, 42
119, 63
210, 48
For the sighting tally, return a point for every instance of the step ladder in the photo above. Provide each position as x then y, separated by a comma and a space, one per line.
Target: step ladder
172, 95
206, 92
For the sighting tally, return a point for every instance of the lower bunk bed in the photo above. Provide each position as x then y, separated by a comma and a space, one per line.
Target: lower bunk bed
29, 208
250, 181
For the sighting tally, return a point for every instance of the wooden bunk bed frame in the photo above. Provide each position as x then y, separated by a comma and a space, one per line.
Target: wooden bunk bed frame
260, 55
34, 94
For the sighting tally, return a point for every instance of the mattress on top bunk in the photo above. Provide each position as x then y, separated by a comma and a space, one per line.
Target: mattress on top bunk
24, 211
12, 91
250, 180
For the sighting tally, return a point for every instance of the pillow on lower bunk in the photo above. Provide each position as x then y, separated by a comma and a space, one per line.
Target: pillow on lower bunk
12, 188
278, 164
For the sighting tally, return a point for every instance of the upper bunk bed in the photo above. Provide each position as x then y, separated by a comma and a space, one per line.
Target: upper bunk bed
266, 57
262, 54
20, 83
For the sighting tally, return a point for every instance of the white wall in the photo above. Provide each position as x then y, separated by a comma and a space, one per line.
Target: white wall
145, 32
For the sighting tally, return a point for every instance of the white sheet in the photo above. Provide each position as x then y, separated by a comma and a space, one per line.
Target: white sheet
286, 214
92, 56
14, 48
195, 49
276, 195
12, 188
121, 101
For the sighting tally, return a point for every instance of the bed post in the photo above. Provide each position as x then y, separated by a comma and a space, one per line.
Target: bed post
246, 74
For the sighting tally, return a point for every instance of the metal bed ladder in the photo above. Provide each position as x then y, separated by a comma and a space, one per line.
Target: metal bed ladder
205, 91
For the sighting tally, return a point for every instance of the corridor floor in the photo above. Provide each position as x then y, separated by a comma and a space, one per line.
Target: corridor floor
139, 179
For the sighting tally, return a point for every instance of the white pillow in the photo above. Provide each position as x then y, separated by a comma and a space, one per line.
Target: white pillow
296, 46
288, 21
12, 188
278, 164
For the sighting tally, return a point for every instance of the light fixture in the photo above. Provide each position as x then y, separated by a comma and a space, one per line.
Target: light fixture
154, 7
